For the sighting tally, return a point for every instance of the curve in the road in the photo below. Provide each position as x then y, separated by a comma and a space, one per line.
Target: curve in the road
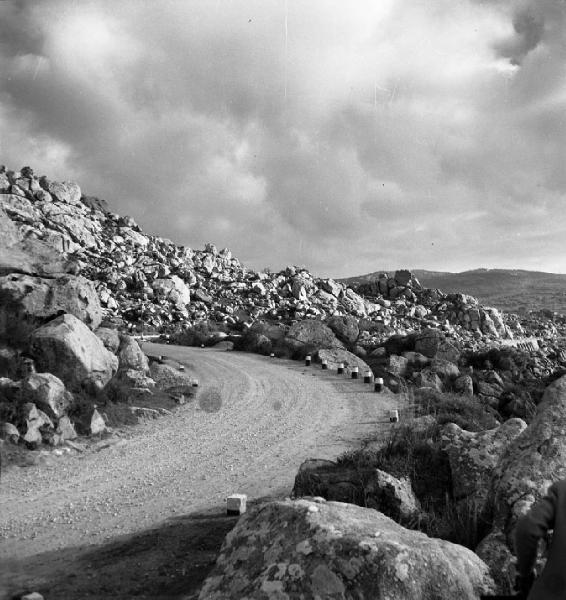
254, 420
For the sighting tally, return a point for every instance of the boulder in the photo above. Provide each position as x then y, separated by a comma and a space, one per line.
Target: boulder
473, 456
96, 423
131, 356
65, 191
353, 303
36, 421
416, 360
166, 376
427, 378
9, 433
67, 348
345, 327
318, 549
335, 356
331, 287
397, 365
445, 369
174, 289
392, 496
65, 429
110, 338
533, 461
27, 302
311, 335
47, 392
464, 385
403, 277
30, 256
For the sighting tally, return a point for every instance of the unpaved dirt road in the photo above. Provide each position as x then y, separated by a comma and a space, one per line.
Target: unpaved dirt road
144, 517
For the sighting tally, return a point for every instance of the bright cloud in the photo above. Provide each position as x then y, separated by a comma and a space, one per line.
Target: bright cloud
417, 134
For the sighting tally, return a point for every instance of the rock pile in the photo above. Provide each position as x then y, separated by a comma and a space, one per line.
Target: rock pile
146, 279
56, 363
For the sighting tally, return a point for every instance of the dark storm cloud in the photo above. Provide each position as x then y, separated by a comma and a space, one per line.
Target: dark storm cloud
343, 138
528, 33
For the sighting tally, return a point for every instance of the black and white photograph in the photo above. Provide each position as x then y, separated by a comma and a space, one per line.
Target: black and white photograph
282, 299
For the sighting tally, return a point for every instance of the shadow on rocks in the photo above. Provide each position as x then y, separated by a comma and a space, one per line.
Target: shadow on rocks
168, 562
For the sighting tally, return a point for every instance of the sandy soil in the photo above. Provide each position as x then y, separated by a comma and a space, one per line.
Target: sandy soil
143, 514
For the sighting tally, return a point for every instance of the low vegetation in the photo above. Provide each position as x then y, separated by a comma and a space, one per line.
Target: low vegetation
466, 411
416, 454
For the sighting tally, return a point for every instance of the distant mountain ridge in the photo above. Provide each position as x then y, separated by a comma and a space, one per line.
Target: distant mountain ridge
513, 290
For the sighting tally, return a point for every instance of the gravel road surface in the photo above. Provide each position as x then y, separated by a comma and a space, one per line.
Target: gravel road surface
75, 526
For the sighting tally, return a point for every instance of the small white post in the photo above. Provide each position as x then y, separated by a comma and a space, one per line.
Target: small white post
236, 504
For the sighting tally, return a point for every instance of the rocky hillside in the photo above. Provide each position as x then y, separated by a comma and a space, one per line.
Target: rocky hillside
143, 279
512, 290
65, 252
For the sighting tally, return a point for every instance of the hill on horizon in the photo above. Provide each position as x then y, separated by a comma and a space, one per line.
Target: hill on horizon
513, 290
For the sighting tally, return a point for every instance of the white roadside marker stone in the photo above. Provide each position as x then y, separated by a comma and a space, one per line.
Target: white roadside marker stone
236, 504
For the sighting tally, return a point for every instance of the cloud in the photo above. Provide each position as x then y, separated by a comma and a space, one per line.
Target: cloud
528, 33
344, 138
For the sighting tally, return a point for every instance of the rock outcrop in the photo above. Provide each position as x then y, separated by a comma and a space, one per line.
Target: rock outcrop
319, 549
27, 302
535, 459
474, 456
149, 281
67, 348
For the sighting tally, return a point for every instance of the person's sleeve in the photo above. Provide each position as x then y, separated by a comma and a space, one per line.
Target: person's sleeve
532, 527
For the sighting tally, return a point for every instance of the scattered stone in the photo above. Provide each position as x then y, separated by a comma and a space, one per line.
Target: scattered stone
48, 392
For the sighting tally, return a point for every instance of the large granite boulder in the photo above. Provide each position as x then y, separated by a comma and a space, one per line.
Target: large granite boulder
26, 302
47, 392
311, 335
346, 328
131, 356
63, 191
318, 549
67, 348
533, 461
473, 456
336, 356
29, 255
174, 289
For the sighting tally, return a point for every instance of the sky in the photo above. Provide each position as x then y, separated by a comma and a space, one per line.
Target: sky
347, 137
